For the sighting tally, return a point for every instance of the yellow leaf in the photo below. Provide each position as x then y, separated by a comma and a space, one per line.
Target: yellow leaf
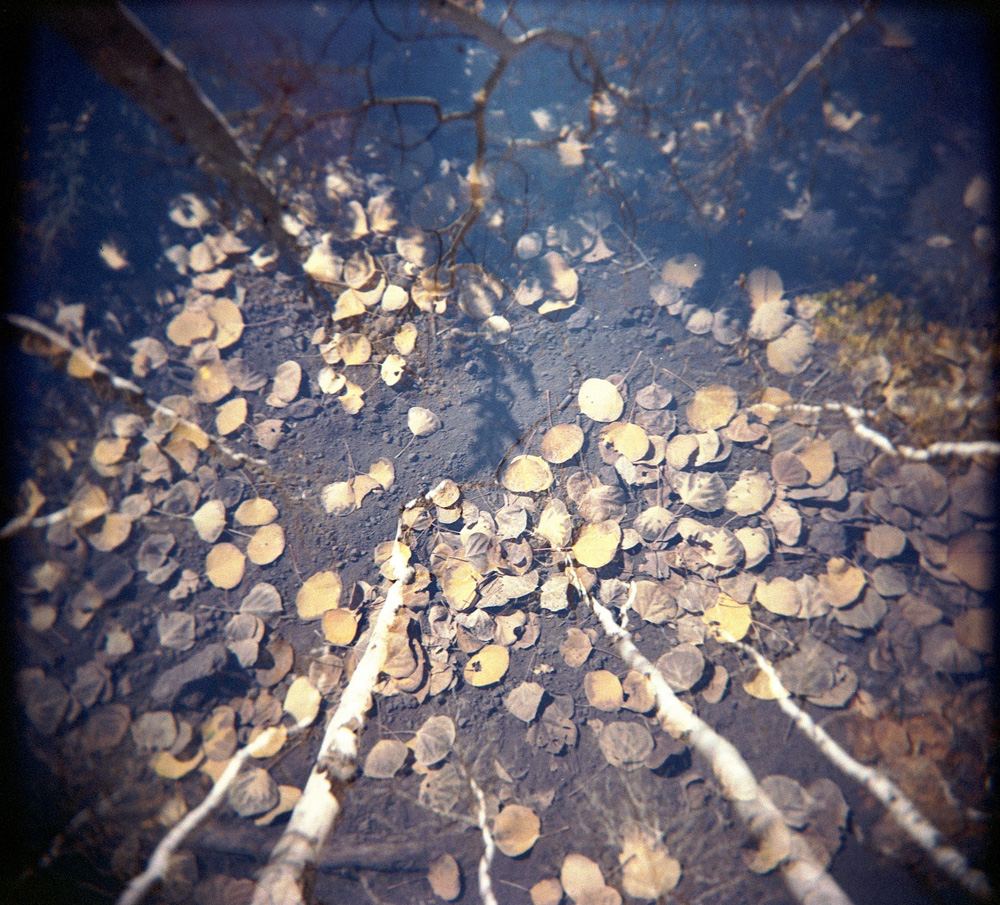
488, 666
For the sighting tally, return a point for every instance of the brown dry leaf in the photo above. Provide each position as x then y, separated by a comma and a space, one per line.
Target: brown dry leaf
268, 433
262, 600
603, 690
570, 150
818, 458
941, 650
682, 666
105, 728
600, 400
527, 474
974, 630
638, 691
353, 348
791, 352
488, 666
319, 593
287, 380
359, 269
654, 602
576, 647
786, 521
256, 512
88, 503
176, 630
653, 524
224, 566
751, 493
302, 701
433, 741
842, 583
392, 369
396, 298
459, 583
523, 700
218, 734
338, 498
405, 338
114, 532
648, 872
228, 321
769, 320
561, 443
187, 210
422, 422
705, 492
109, 451
253, 792
383, 472
515, 830
266, 545
681, 450
712, 407
597, 543
682, 271
555, 524
190, 326
169, 767
780, 596
547, 891
231, 416
764, 285
759, 686
349, 304
288, 797
885, 541
385, 759
584, 883
625, 745
554, 596
444, 877
972, 559
788, 469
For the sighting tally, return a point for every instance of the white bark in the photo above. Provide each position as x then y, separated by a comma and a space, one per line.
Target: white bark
902, 809
318, 810
159, 861
804, 877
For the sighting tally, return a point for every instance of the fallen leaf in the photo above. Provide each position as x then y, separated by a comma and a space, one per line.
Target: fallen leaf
257, 511
224, 566
287, 380
527, 474
302, 701
385, 759
523, 700
603, 690
648, 872
319, 593
515, 830
625, 745
422, 422
253, 792
266, 545
488, 666
444, 877
712, 407
600, 400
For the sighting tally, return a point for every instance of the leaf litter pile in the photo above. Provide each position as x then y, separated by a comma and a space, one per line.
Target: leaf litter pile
204, 571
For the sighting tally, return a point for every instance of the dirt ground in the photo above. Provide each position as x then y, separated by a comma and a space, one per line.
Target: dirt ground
104, 807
